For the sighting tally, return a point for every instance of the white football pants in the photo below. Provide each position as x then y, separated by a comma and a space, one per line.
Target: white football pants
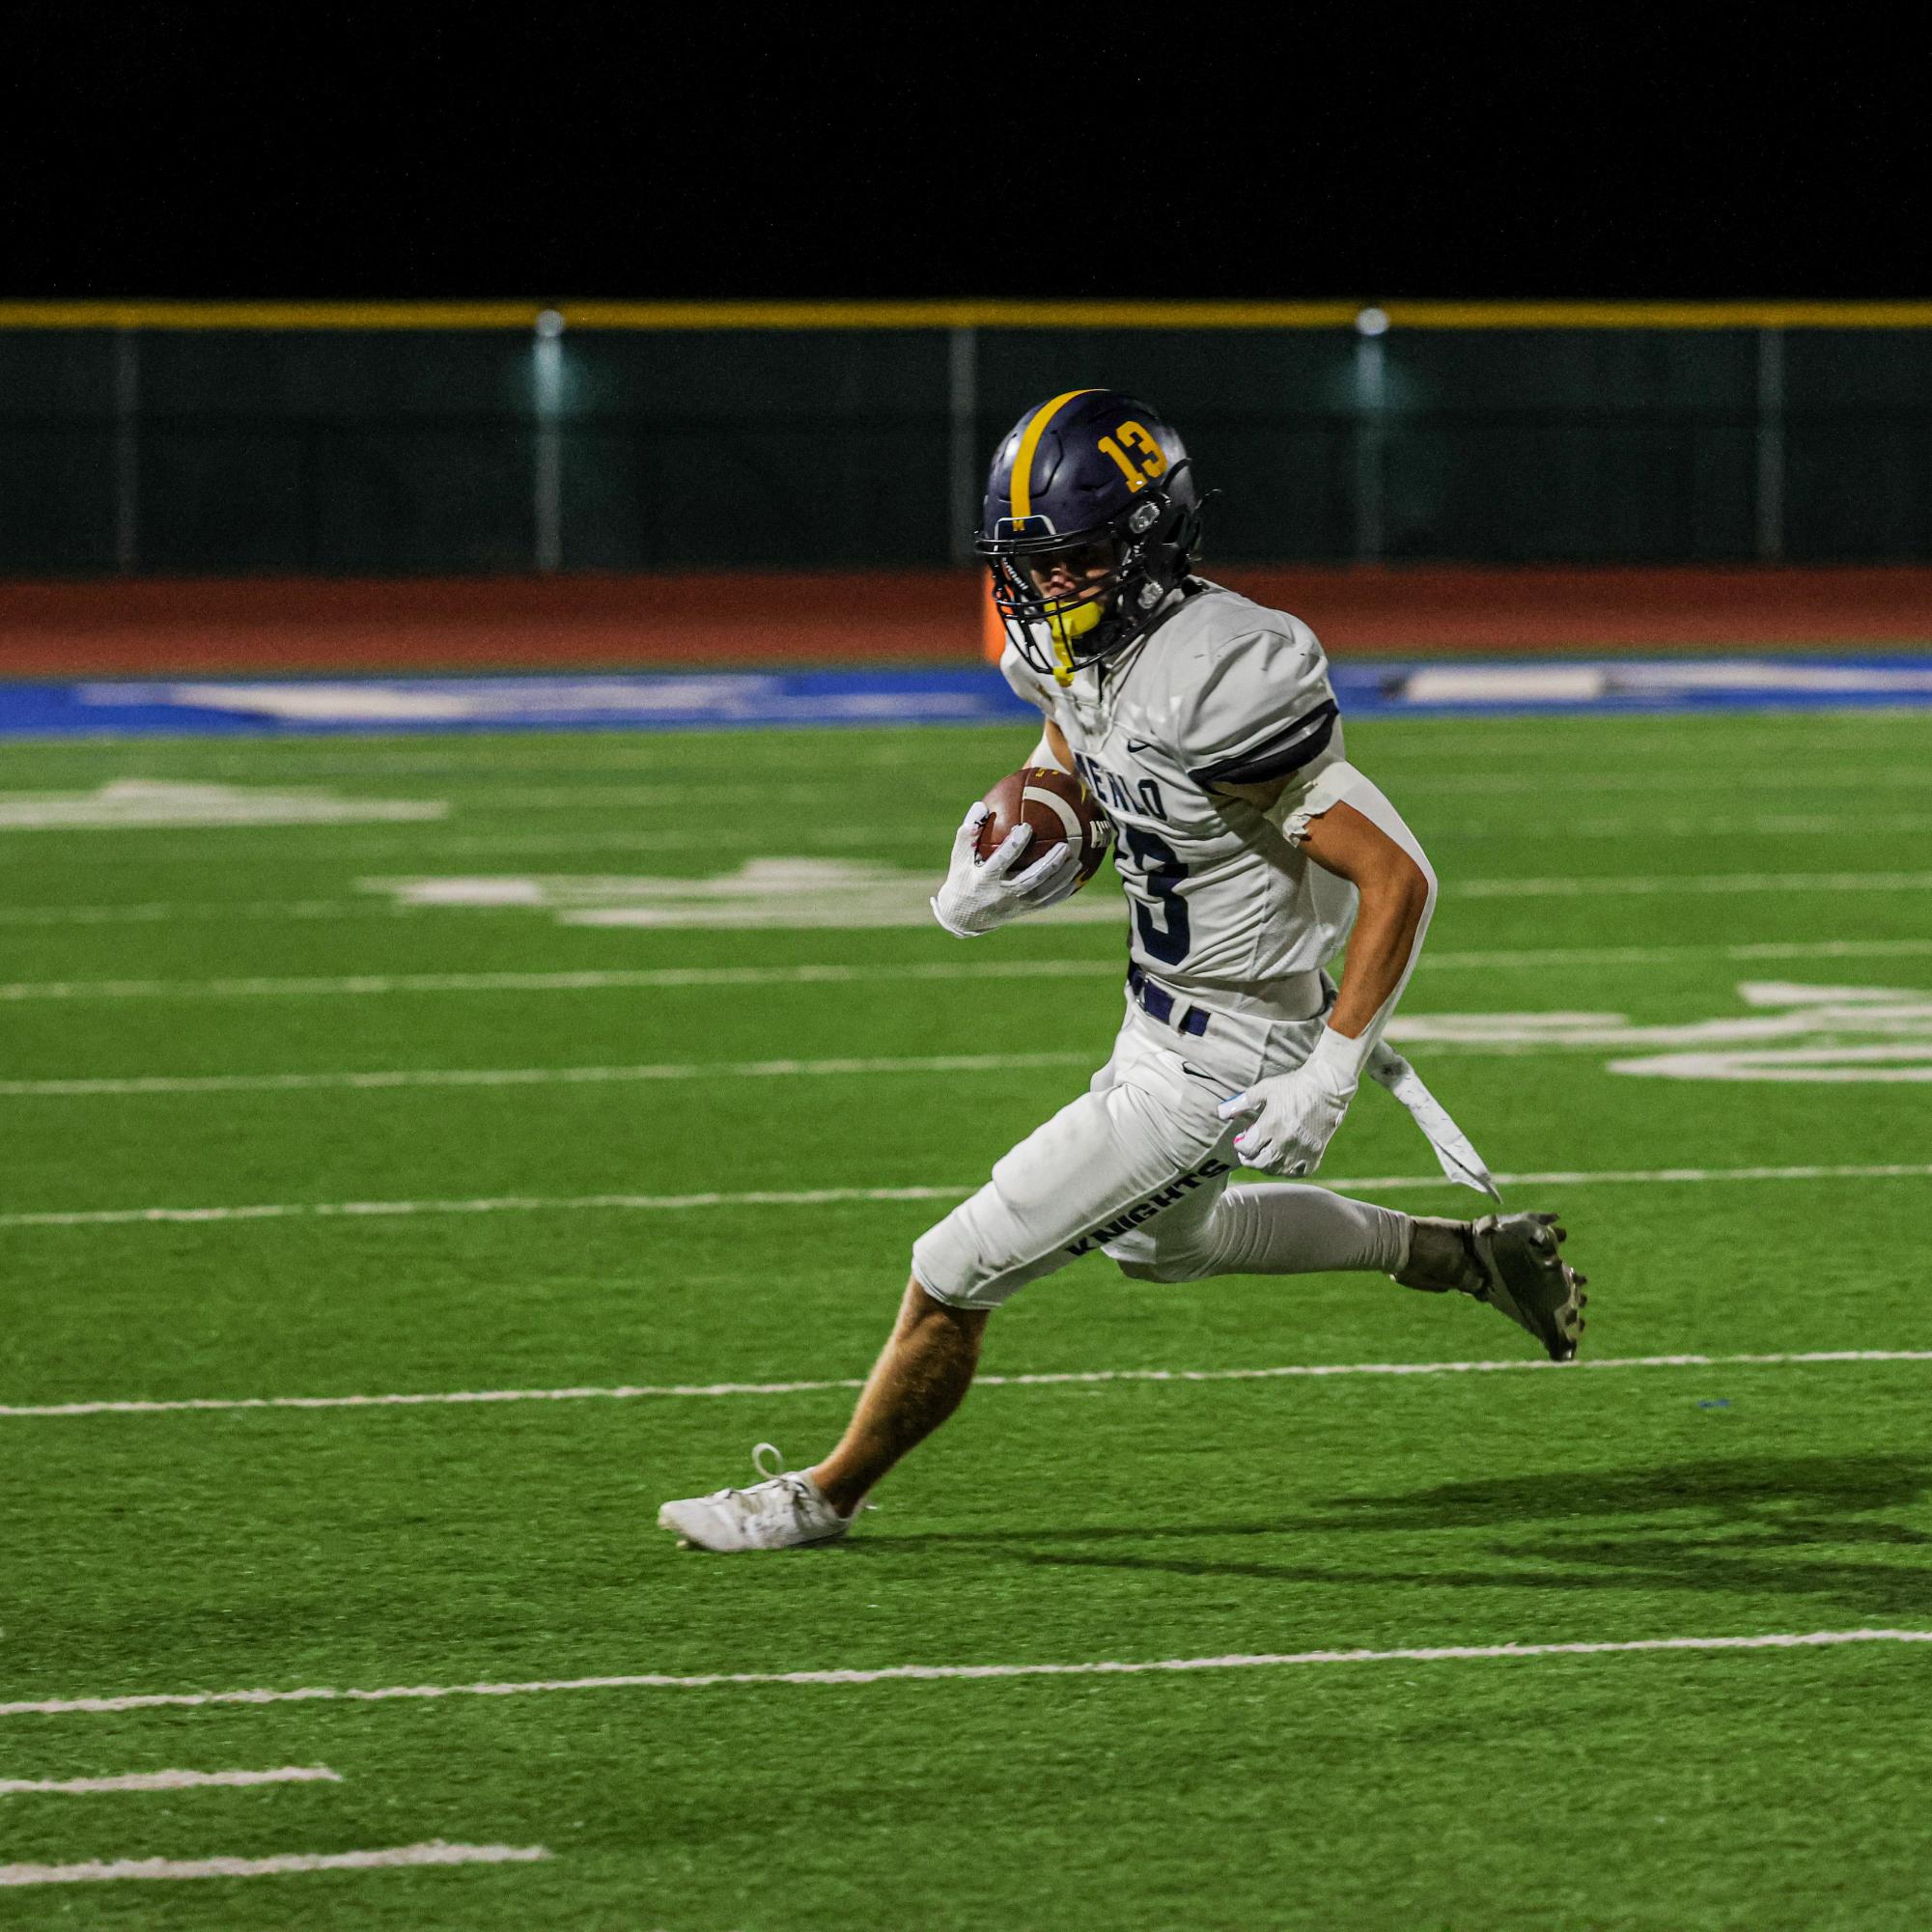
1137, 1167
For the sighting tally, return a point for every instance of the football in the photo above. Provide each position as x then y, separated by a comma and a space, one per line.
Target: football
1056, 806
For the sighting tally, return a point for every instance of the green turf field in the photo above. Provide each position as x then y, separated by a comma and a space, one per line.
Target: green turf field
163, 985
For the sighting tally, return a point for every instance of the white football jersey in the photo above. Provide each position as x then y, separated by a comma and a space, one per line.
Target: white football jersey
1219, 901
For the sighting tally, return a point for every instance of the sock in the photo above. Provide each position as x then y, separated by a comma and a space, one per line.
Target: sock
1439, 1257
1289, 1230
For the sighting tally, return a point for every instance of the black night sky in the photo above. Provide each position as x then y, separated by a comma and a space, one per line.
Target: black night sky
601, 150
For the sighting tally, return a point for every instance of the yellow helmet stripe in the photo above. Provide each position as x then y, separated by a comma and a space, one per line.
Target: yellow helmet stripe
1029, 443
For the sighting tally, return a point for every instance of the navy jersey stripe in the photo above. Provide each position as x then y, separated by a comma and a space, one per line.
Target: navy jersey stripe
1308, 737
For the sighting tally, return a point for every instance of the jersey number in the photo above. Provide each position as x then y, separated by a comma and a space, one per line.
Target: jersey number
1161, 871
1146, 459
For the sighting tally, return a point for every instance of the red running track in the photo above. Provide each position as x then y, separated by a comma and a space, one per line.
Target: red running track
164, 627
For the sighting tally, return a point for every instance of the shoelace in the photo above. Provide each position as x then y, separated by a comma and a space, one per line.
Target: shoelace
793, 1491
794, 1486
773, 1471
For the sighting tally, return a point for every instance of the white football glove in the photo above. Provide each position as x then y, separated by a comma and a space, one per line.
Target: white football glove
982, 893
1292, 1117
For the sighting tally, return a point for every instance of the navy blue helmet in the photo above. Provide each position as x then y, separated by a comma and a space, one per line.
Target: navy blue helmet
1091, 495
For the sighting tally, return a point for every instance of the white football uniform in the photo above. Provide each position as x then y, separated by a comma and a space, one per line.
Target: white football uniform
1230, 926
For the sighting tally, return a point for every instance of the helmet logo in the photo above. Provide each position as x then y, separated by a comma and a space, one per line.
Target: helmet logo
1008, 528
1142, 458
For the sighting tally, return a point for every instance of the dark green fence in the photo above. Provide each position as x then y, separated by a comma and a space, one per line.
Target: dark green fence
179, 440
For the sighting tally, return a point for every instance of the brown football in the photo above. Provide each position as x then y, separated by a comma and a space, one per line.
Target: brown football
1056, 806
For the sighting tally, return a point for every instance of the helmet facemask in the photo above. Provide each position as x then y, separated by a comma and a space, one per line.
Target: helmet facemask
1147, 547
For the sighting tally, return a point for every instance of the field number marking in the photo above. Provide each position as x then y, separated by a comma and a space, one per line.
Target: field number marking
146, 805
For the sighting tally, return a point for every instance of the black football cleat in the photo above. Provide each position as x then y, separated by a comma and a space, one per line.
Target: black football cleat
1526, 1277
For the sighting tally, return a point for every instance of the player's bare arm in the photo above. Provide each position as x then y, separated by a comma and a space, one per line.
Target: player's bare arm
1394, 892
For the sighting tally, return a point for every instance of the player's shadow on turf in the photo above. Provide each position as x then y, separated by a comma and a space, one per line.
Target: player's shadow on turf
1726, 1527
1791, 1499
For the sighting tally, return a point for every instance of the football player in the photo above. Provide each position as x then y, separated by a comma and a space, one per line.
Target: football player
1250, 849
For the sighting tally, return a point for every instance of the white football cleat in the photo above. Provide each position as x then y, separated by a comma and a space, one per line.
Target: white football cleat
786, 1511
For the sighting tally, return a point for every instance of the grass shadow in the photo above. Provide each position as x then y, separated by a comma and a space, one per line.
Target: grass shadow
1792, 1526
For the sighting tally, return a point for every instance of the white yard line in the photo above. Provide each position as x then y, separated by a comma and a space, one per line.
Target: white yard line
433, 1853
1825, 748
753, 821
1698, 884
1644, 828
530, 1076
813, 1198
162, 912
757, 835
1559, 783
363, 841
621, 979
806, 1197
474, 791
1053, 1379
475, 800
476, 806
168, 1780
487, 795
1449, 1653
665, 756
1535, 958
471, 787
639, 979
297, 761
658, 778
167, 911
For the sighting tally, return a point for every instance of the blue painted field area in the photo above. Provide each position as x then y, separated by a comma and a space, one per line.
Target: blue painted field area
965, 694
